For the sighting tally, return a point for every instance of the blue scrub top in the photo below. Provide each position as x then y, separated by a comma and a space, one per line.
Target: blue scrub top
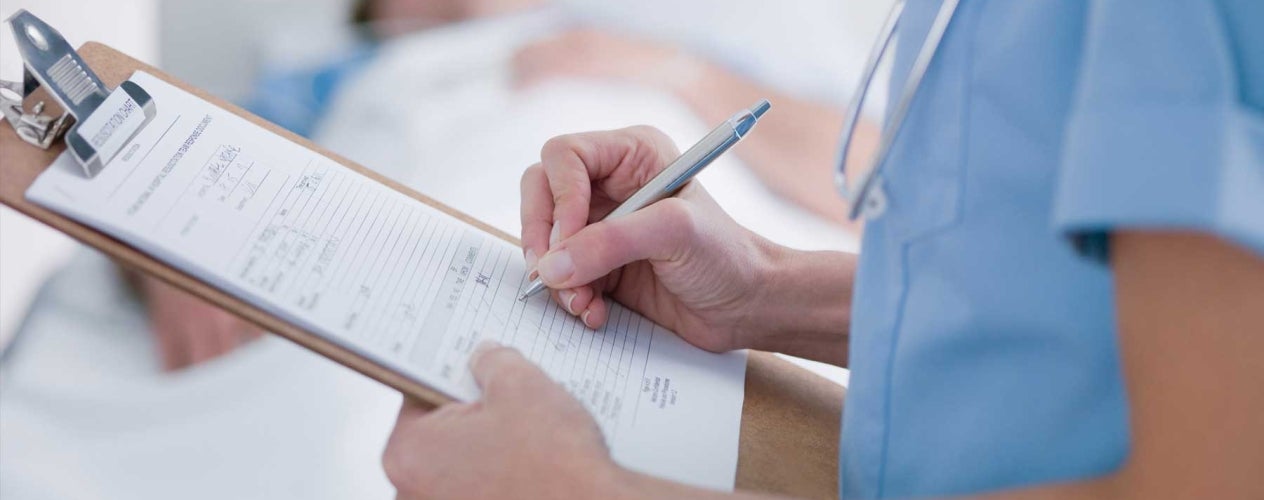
983, 349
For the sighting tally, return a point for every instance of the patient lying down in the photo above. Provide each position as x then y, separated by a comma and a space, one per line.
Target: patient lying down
188, 331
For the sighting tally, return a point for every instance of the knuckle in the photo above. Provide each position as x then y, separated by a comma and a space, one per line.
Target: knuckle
652, 150
559, 146
563, 167
501, 365
653, 138
531, 176
570, 190
648, 132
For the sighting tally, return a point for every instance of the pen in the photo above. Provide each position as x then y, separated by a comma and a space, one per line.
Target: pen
684, 168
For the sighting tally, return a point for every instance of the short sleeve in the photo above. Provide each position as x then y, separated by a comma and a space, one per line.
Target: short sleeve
1161, 135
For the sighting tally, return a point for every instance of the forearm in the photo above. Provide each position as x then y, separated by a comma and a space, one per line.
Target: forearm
794, 151
1189, 326
804, 307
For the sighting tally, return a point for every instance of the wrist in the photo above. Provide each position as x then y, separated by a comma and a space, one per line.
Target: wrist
804, 305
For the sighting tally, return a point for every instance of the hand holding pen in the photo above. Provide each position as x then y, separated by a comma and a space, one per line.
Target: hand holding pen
672, 178
682, 261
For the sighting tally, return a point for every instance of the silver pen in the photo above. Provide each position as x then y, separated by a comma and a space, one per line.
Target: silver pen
679, 173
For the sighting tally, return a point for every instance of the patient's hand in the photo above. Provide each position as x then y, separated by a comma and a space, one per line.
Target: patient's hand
587, 53
189, 330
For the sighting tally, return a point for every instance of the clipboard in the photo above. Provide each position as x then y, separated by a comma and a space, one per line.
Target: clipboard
790, 419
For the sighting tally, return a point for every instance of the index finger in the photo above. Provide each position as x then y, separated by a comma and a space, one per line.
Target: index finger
573, 163
537, 214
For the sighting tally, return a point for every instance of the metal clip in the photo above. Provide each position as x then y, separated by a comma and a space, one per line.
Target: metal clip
49, 61
34, 127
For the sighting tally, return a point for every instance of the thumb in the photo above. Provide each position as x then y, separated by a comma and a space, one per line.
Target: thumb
661, 231
503, 373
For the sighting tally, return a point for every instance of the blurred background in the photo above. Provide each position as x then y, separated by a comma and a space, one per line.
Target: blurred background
105, 390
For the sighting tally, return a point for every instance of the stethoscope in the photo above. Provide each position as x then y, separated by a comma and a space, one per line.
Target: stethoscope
868, 198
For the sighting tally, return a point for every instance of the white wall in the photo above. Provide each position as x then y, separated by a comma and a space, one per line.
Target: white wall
28, 250
219, 45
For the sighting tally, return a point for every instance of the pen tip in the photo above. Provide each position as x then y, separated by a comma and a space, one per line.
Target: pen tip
760, 108
522, 298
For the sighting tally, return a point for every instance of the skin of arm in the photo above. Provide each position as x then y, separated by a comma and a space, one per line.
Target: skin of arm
1191, 313
794, 152
1191, 332
187, 330
808, 298
1191, 335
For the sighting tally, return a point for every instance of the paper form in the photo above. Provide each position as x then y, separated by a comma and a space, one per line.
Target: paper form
393, 279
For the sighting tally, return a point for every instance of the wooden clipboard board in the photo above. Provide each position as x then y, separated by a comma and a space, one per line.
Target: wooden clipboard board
790, 420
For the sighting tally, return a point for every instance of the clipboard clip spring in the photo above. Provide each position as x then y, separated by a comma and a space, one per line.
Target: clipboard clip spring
33, 127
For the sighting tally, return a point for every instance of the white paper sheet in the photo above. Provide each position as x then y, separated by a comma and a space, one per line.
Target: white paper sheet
393, 279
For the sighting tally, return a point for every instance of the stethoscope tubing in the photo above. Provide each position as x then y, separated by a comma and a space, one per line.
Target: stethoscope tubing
868, 199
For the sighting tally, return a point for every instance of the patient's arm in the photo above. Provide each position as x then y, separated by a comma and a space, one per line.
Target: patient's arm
794, 151
188, 330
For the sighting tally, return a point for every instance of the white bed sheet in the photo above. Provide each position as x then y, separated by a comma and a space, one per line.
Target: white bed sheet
85, 412
438, 112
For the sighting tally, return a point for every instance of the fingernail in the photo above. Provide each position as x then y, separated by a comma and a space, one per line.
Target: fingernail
532, 259
482, 348
584, 318
568, 298
556, 234
556, 267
